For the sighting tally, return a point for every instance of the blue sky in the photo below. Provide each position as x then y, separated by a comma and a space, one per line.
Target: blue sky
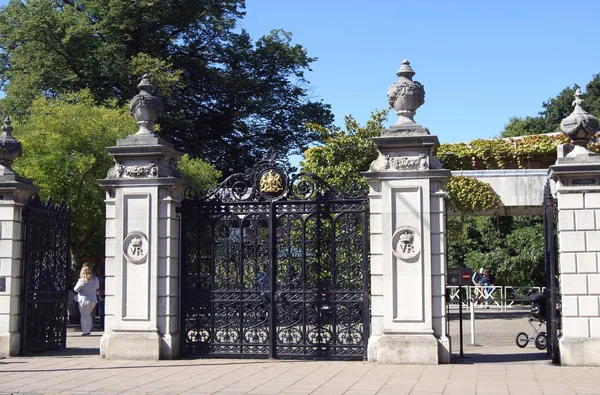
481, 61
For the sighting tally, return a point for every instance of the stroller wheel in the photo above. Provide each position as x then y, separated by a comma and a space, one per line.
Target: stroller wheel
541, 341
522, 339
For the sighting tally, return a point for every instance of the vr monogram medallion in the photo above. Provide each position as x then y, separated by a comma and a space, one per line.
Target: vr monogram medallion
406, 243
135, 247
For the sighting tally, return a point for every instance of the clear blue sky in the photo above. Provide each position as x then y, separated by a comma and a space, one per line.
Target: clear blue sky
481, 61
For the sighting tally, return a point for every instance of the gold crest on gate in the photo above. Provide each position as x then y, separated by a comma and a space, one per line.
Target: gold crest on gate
271, 182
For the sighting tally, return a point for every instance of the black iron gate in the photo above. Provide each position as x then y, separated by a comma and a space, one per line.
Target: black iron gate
46, 265
275, 266
551, 274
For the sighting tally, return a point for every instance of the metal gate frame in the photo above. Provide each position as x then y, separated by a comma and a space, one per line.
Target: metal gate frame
278, 312
551, 274
45, 271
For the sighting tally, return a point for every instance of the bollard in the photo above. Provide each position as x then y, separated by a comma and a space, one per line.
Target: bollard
472, 322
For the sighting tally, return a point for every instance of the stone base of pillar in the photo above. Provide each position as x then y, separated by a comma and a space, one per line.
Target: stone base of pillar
10, 344
579, 351
142, 346
169, 347
444, 350
405, 349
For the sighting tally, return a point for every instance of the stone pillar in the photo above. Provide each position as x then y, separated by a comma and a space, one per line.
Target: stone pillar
577, 177
143, 190
15, 192
408, 257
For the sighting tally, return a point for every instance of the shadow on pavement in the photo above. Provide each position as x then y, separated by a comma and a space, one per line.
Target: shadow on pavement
502, 358
70, 352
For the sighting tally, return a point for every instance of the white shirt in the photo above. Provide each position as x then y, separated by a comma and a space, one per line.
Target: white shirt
87, 290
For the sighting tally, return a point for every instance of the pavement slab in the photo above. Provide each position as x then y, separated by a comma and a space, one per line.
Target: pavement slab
493, 365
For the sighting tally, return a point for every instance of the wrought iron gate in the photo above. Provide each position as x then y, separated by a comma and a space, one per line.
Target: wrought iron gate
275, 266
46, 265
551, 274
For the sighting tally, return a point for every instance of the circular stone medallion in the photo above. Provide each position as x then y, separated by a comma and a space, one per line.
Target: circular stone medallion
406, 243
135, 247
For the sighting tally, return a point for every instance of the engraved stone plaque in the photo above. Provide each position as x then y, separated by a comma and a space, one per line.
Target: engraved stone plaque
135, 247
406, 243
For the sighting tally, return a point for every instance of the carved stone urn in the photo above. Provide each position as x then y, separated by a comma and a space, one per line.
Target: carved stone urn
10, 149
145, 107
580, 127
405, 96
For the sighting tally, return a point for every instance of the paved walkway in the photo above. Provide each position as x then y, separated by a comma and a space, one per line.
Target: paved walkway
85, 375
494, 366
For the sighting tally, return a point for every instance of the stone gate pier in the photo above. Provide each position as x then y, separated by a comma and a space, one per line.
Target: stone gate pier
143, 190
15, 192
408, 258
577, 177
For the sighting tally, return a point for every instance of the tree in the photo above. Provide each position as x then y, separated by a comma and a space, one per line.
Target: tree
511, 247
525, 126
64, 152
345, 153
227, 98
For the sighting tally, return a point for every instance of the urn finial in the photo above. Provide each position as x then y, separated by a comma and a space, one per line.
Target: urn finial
580, 127
145, 107
406, 96
10, 148
7, 128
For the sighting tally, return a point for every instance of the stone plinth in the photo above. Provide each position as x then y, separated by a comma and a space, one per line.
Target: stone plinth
578, 198
143, 190
408, 257
15, 192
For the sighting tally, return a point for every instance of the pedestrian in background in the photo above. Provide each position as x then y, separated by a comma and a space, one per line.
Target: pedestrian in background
87, 287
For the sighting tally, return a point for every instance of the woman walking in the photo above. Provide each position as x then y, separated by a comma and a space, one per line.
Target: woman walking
87, 286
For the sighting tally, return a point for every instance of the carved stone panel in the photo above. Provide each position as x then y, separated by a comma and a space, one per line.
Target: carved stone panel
149, 170
392, 163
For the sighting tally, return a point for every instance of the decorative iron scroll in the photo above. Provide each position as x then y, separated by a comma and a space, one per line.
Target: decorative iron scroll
46, 265
268, 180
275, 265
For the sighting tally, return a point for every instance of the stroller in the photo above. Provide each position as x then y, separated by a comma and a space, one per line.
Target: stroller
538, 311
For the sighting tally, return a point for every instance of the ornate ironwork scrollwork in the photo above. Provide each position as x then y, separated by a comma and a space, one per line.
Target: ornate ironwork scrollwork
46, 264
275, 265
268, 180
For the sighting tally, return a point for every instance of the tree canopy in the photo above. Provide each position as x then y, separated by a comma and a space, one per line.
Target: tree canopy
345, 152
227, 97
64, 152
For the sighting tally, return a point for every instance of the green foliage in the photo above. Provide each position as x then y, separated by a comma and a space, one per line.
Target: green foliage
537, 151
228, 98
511, 247
345, 153
469, 195
539, 147
64, 152
201, 175
525, 126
